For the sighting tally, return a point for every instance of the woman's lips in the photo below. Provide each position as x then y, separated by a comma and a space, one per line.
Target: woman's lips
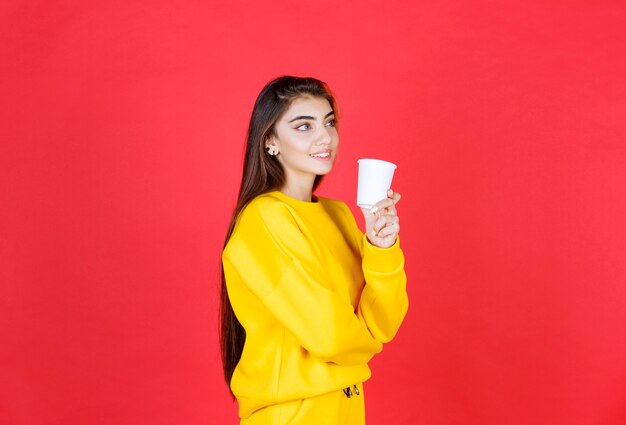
321, 156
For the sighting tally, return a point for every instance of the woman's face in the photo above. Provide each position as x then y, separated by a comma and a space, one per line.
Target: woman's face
306, 138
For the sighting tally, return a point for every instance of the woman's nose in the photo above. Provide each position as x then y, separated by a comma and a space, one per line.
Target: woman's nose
324, 136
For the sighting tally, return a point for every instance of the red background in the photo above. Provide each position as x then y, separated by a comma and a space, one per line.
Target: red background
122, 131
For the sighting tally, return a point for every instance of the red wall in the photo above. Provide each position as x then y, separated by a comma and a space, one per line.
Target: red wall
122, 128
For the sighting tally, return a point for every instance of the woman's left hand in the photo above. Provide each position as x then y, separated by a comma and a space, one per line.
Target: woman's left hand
382, 223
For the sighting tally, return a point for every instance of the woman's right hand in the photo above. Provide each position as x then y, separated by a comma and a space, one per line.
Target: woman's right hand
382, 223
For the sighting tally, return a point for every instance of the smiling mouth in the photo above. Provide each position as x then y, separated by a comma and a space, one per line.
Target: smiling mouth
324, 155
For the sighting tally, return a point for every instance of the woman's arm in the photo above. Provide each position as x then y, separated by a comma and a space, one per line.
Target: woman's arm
384, 301
277, 263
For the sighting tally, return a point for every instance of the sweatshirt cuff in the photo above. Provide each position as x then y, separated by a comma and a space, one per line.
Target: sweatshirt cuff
382, 260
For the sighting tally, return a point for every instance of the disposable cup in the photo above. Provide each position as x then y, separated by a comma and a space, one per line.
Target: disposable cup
375, 177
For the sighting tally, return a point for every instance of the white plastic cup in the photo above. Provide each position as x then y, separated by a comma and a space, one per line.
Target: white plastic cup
375, 177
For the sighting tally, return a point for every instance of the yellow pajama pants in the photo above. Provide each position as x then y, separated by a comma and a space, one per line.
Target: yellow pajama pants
333, 408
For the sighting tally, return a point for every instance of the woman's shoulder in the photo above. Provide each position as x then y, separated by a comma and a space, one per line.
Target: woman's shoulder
264, 205
264, 211
260, 218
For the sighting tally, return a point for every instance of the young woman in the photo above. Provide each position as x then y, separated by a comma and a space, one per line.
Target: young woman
307, 298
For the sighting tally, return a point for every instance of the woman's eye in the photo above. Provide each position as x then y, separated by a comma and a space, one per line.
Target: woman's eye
330, 123
303, 127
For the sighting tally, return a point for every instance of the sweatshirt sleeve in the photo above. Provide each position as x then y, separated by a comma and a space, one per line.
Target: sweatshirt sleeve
280, 266
384, 301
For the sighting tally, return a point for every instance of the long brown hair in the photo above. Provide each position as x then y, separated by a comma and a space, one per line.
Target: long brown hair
262, 173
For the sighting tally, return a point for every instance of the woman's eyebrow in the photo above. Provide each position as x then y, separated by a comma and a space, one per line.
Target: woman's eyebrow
308, 117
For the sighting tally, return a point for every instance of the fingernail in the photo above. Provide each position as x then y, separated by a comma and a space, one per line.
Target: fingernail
373, 209
390, 192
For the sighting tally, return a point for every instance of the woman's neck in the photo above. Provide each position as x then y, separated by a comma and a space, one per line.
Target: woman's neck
301, 190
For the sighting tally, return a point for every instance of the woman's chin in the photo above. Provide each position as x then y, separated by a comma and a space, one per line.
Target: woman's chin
324, 168
325, 171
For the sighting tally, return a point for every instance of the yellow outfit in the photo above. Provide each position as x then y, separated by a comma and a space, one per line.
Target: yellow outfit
317, 300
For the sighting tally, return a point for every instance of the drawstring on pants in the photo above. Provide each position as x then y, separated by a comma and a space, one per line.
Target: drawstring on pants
348, 391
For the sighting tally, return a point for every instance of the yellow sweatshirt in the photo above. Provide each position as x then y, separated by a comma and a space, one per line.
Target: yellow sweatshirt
316, 299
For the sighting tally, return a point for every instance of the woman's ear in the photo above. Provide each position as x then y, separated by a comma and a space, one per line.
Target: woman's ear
271, 146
